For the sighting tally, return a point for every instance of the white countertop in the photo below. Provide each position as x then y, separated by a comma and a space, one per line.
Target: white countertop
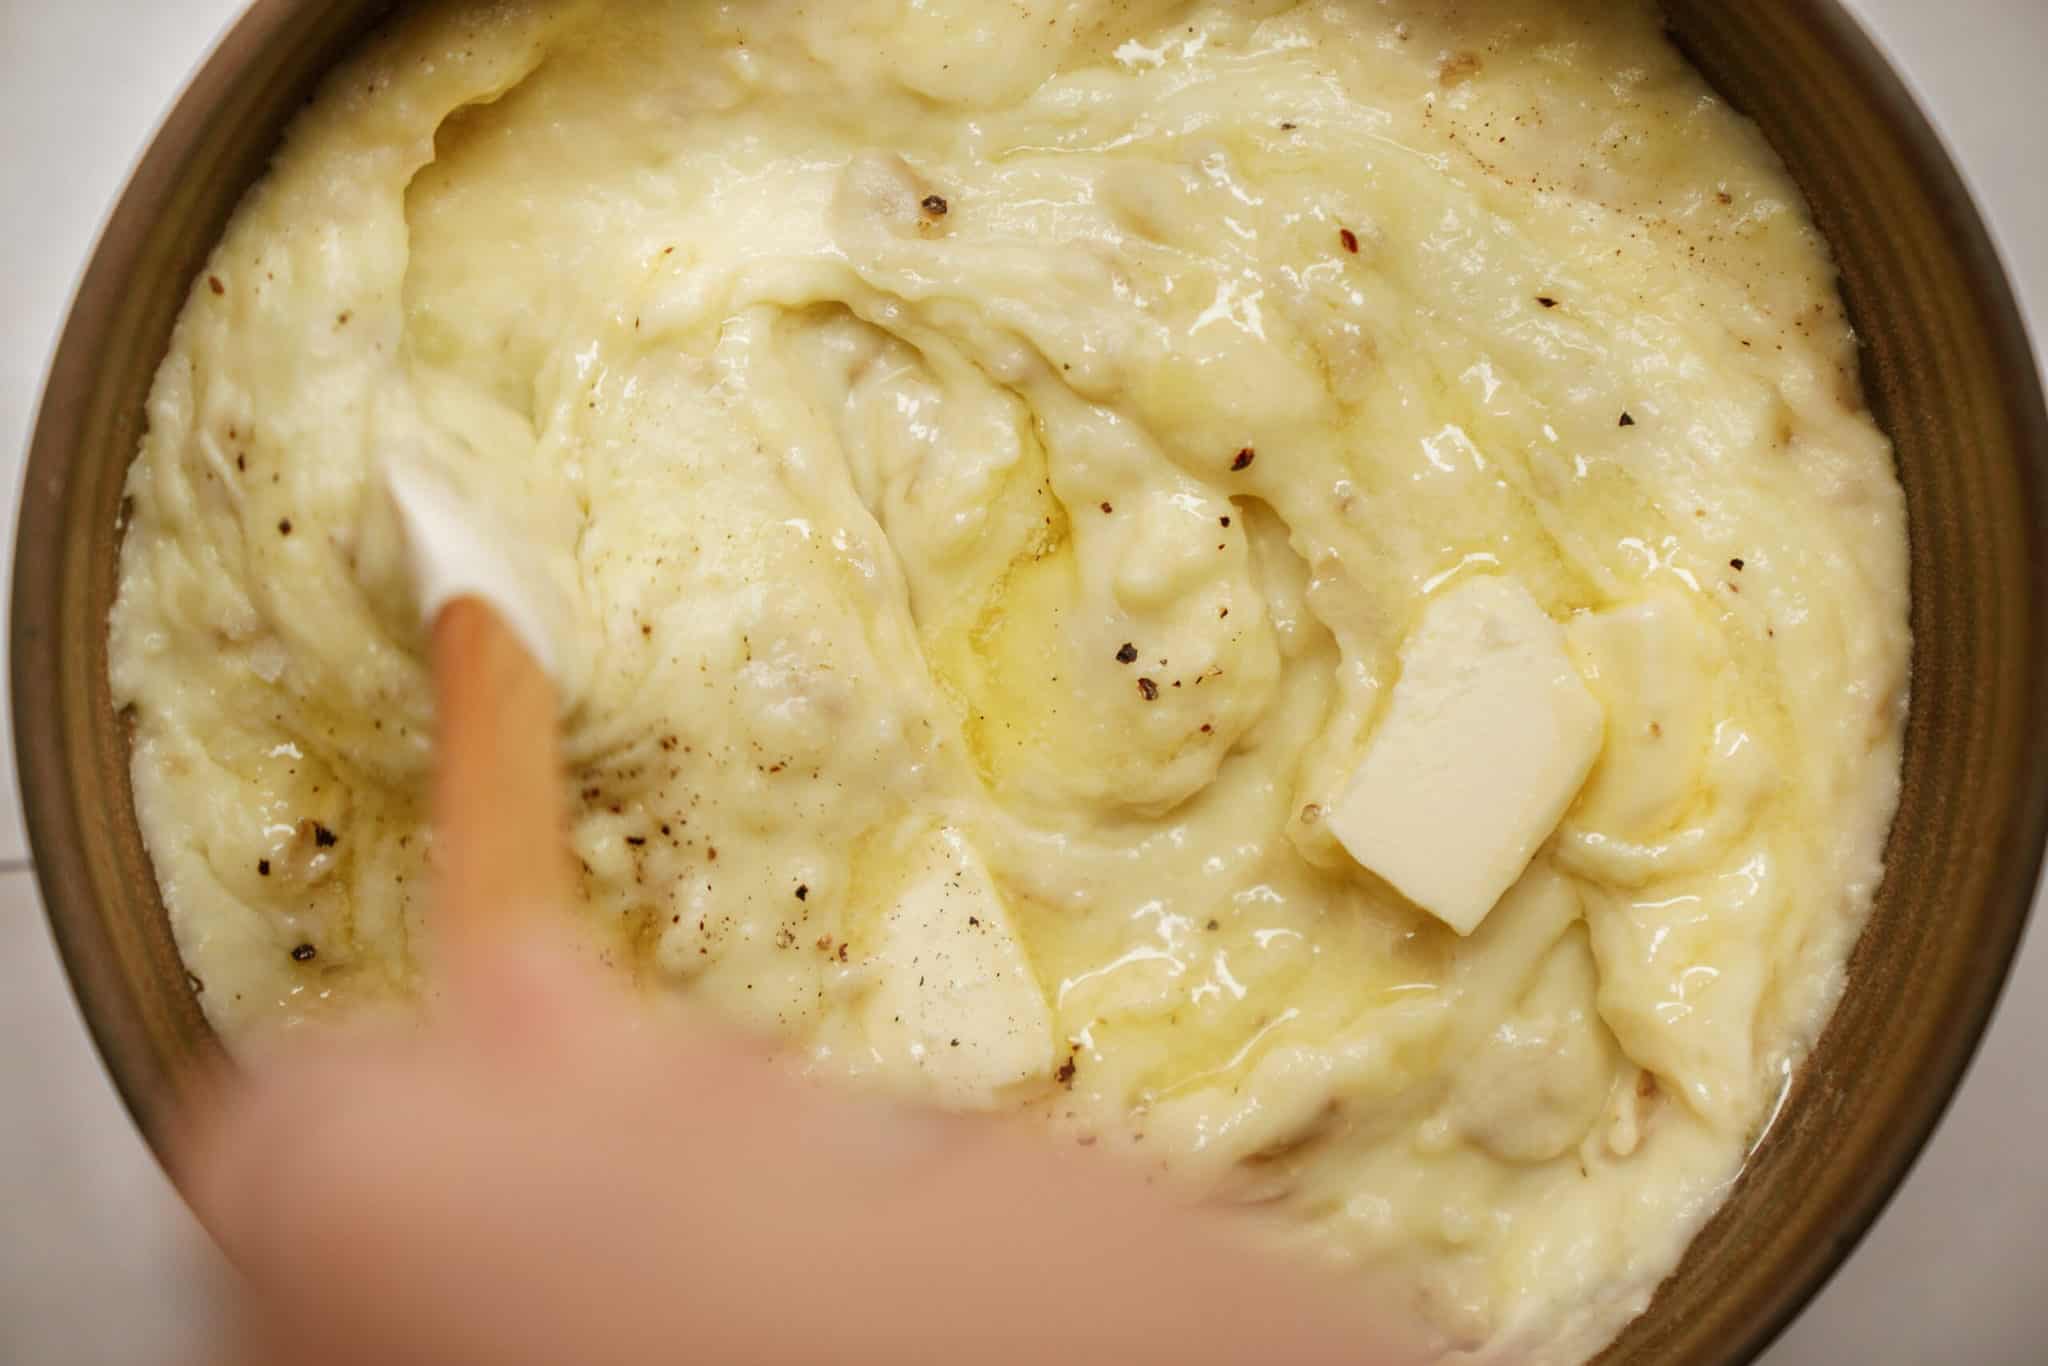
99, 1262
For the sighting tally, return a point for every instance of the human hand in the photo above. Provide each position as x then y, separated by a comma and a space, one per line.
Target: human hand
546, 1173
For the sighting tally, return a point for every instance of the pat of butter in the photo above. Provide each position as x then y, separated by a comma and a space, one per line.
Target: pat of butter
956, 1013
1488, 738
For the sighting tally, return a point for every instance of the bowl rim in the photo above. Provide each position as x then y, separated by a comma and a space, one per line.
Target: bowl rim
55, 832
2016, 881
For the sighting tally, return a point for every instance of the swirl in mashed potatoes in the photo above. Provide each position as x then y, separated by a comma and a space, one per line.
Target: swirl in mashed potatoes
1103, 536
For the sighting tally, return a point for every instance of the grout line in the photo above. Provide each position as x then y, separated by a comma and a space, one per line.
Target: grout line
15, 865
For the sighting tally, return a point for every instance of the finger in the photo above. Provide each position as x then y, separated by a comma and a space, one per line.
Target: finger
533, 993
501, 842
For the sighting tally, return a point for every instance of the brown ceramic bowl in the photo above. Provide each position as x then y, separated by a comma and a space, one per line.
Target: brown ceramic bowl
1949, 373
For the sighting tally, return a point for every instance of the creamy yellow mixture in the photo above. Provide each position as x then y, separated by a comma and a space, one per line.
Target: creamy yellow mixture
1007, 459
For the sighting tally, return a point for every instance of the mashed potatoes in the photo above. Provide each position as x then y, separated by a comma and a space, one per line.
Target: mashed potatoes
1008, 458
